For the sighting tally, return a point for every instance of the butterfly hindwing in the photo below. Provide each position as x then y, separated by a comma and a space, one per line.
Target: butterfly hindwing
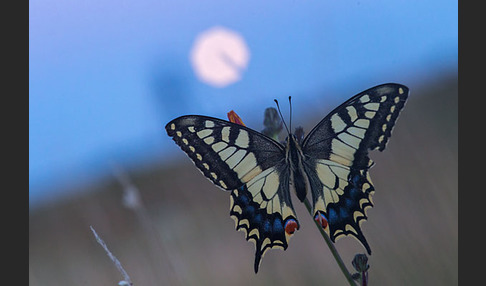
337, 159
251, 166
263, 210
340, 197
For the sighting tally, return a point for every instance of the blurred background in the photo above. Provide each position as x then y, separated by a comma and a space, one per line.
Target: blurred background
105, 77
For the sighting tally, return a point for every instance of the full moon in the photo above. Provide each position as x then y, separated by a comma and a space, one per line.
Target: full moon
219, 56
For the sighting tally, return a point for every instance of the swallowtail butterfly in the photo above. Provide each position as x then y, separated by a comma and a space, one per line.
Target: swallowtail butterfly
331, 163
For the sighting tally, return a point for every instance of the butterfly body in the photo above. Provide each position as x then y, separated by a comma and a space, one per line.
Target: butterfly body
296, 160
331, 164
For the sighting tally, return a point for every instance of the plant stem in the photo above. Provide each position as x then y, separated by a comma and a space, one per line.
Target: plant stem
112, 257
333, 249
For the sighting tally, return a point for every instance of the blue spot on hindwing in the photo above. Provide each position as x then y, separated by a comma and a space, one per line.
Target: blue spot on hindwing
343, 213
356, 179
349, 203
277, 225
244, 200
267, 226
332, 216
257, 219
353, 192
249, 210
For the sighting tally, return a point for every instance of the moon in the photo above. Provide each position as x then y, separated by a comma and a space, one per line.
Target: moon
219, 56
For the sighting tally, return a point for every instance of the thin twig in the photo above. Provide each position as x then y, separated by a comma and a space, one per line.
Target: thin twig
333, 249
113, 258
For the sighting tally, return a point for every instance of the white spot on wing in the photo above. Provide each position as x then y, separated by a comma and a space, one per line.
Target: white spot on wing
235, 158
227, 152
209, 140
341, 172
365, 98
246, 165
382, 137
370, 114
325, 175
255, 184
209, 124
328, 197
372, 106
271, 185
251, 174
342, 150
225, 132
219, 146
337, 123
358, 132
204, 133
222, 184
352, 113
363, 123
256, 187
243, 140
350, 140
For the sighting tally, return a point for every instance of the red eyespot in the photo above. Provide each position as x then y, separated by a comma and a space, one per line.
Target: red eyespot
321, 220
233, 117
291, 226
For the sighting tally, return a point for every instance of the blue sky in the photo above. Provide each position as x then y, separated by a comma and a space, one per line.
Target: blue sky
105, 76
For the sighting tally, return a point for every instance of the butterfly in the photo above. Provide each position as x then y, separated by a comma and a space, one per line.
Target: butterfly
331, 163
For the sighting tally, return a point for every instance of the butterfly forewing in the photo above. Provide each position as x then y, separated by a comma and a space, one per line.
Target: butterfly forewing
226, 153
337, 159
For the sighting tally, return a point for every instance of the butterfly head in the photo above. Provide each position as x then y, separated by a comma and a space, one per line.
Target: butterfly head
295, 138
299, 134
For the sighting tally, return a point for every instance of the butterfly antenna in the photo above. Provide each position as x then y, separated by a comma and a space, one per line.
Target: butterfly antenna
290, 104
278, 107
